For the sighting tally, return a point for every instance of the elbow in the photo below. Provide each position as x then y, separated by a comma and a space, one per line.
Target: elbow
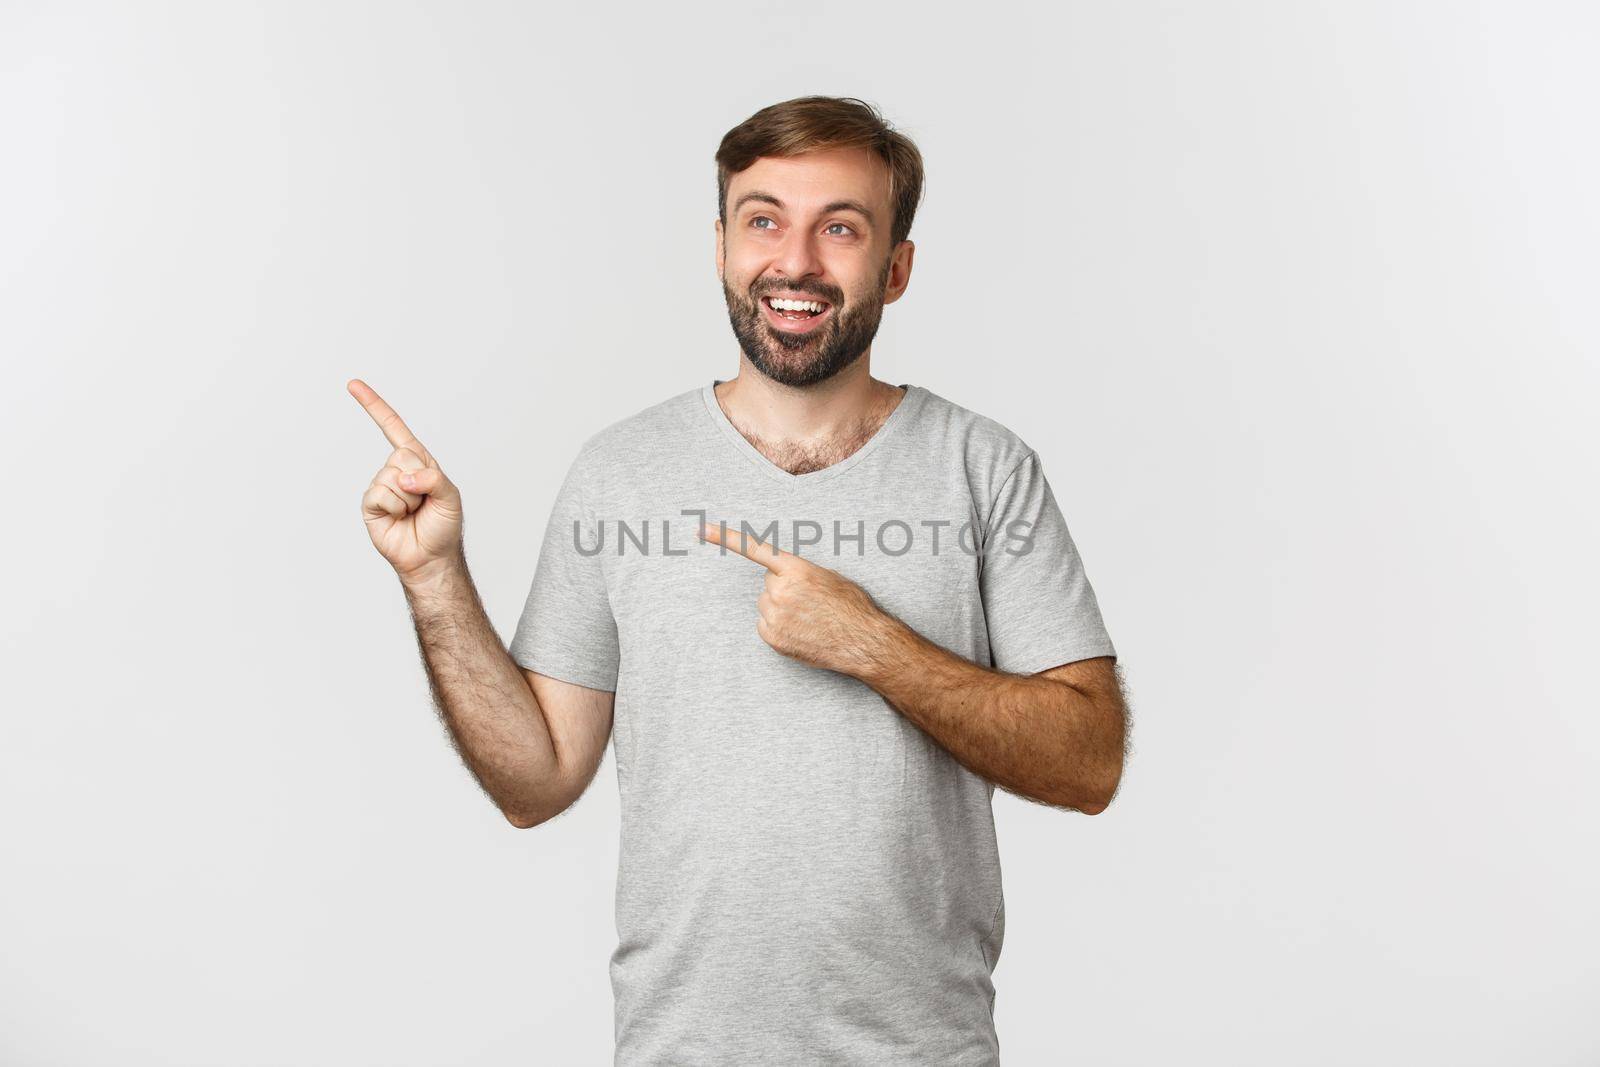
1094, 808
523, 819
540, 810
528, 808
1101, 799
1091, 803
1078, 798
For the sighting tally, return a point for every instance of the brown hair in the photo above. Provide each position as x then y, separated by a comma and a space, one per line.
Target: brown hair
811, 123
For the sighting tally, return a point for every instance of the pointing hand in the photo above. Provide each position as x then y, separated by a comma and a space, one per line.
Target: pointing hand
809, 612
412, 511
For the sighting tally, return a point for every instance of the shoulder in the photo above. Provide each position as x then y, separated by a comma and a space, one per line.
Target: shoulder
633, 439
988, 449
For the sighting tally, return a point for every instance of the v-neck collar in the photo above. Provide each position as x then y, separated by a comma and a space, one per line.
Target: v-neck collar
903, 411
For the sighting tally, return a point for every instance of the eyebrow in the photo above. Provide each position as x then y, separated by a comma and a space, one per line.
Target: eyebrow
838, 205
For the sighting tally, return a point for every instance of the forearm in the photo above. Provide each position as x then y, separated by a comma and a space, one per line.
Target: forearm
484, 699
1034, 736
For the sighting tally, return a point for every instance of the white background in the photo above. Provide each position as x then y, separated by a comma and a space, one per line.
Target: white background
1296, 301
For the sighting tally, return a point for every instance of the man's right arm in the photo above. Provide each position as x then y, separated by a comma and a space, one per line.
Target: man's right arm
533, 742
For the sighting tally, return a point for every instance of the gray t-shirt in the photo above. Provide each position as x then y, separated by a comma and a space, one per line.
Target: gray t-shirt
805, 875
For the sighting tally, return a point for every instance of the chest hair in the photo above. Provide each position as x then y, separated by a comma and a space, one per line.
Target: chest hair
803, 457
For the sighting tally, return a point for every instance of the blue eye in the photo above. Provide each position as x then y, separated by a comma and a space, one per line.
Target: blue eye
830, 226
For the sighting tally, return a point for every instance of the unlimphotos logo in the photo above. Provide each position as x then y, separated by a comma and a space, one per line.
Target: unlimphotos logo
890, 537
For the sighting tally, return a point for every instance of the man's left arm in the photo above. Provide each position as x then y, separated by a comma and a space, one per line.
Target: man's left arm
1056, 736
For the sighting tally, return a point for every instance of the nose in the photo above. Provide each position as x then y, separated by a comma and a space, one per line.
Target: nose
798, 258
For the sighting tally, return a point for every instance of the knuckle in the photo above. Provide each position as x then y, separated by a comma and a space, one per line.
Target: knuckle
391, 481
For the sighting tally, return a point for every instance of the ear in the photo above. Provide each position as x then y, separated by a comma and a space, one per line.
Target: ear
719, 250
899, 271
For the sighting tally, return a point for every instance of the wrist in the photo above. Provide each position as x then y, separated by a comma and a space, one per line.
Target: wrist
434, 578
882, 649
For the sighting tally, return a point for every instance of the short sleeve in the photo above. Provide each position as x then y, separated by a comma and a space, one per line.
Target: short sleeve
1038, 604
567, 630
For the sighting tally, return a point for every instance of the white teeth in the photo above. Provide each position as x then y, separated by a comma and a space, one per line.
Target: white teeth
779, 304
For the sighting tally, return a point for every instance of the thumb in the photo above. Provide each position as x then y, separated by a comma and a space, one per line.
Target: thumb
430, 481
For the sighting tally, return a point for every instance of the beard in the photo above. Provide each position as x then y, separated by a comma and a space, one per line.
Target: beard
809, 358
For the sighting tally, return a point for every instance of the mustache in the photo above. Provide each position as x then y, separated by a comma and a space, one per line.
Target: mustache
832, 296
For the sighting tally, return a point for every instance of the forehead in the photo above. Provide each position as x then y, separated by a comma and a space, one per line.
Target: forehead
816, 178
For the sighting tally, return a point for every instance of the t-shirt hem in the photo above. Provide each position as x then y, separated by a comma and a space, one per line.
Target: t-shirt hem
566, 672
1035, 664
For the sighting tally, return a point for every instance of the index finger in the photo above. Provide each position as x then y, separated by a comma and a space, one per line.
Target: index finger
750, 547
393, 427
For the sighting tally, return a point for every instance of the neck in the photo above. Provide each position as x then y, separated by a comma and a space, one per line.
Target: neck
813, 413
808, 427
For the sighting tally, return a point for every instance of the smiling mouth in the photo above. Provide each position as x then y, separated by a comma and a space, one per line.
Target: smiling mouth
796, 310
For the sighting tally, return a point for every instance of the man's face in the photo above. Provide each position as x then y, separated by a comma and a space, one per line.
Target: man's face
811, 228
